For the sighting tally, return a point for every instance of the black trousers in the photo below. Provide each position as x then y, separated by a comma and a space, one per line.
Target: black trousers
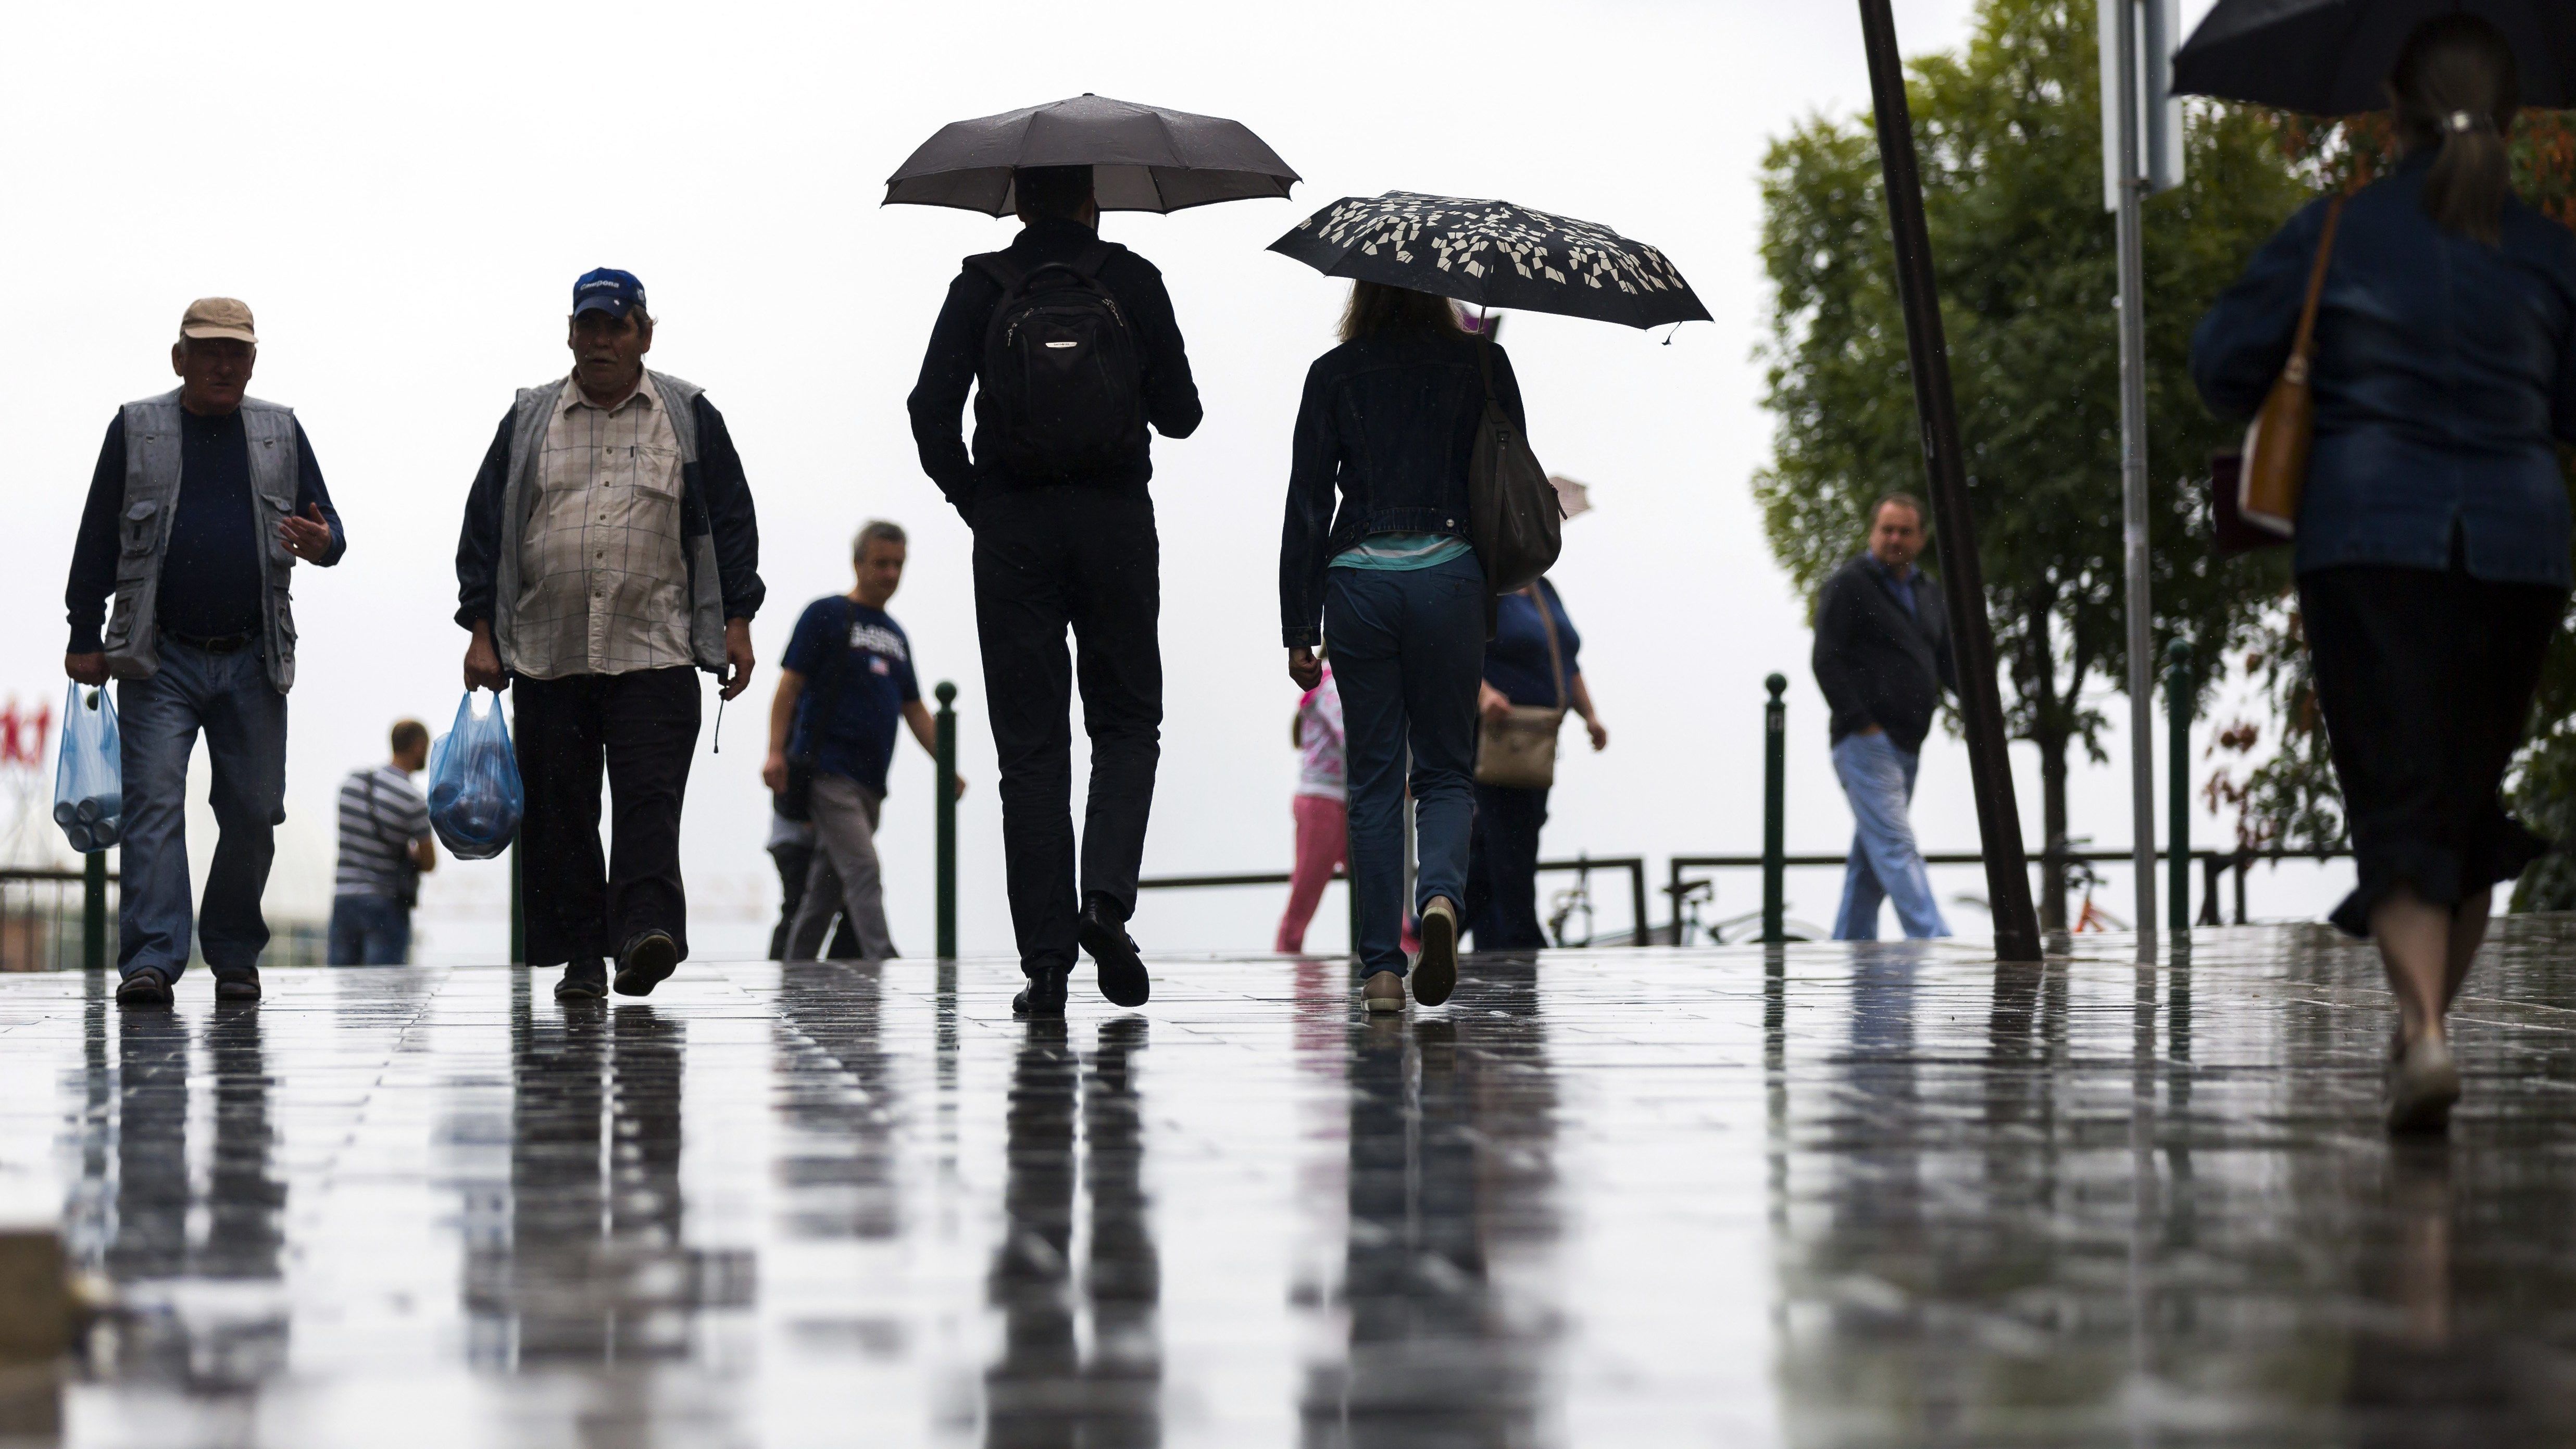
2426, 679
643, 729
1049, 559
1502, 869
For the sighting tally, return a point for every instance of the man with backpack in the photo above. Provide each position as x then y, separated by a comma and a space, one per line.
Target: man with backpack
385, 848
1071, 346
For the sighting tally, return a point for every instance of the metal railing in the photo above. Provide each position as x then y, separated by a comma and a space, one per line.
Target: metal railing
1643, 933
41, 918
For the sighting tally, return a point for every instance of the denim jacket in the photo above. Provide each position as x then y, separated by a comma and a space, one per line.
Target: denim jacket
1389, 423
2445, 377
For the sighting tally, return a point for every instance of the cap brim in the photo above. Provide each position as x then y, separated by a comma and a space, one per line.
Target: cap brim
613, 306
206, 330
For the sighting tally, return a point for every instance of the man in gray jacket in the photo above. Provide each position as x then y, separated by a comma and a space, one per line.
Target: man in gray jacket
202, 501
609, 553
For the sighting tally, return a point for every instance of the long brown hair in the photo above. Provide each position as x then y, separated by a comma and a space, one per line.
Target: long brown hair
1376, 307
2456, 93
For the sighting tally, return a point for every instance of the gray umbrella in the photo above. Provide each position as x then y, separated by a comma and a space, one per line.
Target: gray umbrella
2332, 57
1494, 254
1142, 158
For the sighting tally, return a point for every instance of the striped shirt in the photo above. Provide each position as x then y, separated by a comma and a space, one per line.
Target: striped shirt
376, 827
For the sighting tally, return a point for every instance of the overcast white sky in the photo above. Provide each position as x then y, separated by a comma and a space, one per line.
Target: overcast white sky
404, 195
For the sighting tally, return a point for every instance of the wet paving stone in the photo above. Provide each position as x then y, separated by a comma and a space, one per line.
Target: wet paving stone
1825, 1196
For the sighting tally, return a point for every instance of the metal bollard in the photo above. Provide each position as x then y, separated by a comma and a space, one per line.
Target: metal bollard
94, 911
1775, 802
945, 791
2178, 808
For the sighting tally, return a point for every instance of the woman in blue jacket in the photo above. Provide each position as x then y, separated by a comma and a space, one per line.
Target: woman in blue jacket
2432, 548
1388, 425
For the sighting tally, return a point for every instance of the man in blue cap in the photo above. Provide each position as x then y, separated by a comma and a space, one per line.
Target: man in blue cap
609, 552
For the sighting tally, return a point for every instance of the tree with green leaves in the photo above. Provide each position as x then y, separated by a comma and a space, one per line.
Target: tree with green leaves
2010, 138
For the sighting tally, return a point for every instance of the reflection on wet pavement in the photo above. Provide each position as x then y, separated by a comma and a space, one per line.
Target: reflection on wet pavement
1828, 1196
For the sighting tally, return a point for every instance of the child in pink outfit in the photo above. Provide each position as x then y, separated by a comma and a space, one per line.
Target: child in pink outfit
1322, 807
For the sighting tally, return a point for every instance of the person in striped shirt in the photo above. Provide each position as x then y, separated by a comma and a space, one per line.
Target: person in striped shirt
385, 848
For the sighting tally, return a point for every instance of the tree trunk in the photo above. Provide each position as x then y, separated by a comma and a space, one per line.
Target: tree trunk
2052, 815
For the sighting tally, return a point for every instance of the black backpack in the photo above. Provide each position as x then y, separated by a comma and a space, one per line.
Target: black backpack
1061, 368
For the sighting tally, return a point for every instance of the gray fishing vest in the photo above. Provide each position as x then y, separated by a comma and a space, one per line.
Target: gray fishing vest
519, 502
152, 502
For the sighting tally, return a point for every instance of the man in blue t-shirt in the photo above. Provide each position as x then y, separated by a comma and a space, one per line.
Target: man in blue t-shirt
846, 679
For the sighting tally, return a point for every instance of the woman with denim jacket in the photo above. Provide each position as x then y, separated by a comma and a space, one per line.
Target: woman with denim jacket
2432, 547
1387, 426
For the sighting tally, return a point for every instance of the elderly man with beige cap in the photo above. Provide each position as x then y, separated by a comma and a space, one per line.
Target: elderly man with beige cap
201, 504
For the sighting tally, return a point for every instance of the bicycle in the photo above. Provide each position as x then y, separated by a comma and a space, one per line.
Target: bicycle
2091, 918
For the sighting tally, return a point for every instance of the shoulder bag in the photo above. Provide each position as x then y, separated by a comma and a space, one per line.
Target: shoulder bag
406, 864
2254, 495
1518, 751
1514, 518
796, 802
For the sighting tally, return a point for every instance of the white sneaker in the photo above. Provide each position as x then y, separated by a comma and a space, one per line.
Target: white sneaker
2422, 1085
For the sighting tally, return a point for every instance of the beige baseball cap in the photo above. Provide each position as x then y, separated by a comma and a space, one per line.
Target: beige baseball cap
218, 317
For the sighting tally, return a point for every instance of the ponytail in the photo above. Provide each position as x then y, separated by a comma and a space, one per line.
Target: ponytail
2456, 94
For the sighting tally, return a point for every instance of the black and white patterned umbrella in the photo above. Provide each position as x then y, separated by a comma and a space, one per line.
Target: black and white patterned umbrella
1494, 254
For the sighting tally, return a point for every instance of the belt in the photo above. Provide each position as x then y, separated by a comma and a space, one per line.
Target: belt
228, 644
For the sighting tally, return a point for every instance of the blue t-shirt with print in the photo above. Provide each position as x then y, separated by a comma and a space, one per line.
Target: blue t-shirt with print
851, 705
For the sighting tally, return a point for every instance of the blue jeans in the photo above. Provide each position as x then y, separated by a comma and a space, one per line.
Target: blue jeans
369, 931
1408, 647
228, 698
1878, 780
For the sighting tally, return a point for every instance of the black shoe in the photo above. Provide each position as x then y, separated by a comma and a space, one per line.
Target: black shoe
143, 987
651, 956
1122, 971
1044, 996
583, 981
242, 985
1435, 971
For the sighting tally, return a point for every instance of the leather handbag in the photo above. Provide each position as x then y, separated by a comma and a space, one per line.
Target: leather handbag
1518, 751
2267, 478
1514, 518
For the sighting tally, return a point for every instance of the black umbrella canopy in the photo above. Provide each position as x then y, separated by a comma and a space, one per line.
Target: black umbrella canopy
1494, 254
1142, 158
2332, 57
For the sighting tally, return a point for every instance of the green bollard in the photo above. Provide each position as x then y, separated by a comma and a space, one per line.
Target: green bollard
944, 790
94, 911
518, 913
1775, 804
2178, 809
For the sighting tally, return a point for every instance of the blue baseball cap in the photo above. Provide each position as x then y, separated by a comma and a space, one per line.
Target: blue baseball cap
608, 290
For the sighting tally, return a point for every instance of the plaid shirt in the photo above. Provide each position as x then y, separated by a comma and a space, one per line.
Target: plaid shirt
607, 584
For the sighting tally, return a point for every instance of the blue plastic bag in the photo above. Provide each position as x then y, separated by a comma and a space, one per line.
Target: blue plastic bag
474, 794
89, 773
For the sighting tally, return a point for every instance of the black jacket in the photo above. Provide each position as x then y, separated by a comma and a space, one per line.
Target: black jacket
714, 499
957, 353
1878, 664
1388, 423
